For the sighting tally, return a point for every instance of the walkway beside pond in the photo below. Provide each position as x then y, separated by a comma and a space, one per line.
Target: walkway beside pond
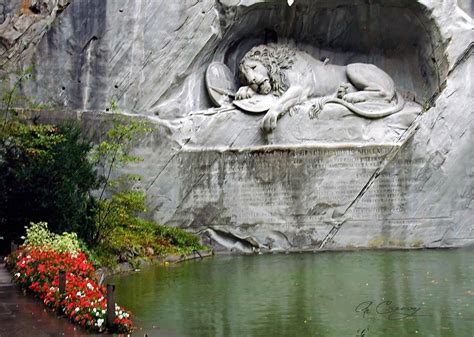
22, 316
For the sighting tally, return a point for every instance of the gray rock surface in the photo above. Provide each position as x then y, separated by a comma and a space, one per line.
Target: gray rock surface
22, 27
467, 6
332, 182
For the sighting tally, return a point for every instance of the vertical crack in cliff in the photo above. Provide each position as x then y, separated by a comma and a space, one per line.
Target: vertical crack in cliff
166, 165
196, 182
407, 134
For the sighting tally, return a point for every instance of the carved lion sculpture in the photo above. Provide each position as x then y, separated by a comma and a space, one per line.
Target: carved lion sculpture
295, 76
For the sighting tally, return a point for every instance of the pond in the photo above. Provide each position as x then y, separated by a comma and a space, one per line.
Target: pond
336, 294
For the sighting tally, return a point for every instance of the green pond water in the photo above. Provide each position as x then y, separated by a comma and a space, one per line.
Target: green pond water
396, 293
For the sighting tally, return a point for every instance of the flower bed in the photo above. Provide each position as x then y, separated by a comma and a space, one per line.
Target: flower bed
36, 268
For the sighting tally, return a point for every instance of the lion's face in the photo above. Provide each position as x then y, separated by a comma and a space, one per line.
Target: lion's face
255, 75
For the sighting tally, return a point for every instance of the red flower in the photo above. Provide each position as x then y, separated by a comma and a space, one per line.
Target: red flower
38, 270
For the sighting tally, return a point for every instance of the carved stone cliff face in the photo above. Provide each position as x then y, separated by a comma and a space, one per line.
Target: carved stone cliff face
150, 56
335, 181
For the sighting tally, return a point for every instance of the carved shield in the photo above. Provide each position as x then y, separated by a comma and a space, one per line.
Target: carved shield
220, 84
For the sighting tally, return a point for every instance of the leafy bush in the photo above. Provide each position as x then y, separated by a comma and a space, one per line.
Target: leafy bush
66, 242
39, 237
124, 235
114, 151
45, 176
184, 241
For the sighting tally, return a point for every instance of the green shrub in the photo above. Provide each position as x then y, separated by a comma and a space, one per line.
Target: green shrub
45, 176
66, 242
184, 241
38, 235
124, 236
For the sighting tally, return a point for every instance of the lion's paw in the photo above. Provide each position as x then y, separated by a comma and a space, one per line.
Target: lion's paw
354, 97
342, 90
244, 93
269, 121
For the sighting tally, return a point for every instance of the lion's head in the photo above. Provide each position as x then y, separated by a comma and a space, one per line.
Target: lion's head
264, 68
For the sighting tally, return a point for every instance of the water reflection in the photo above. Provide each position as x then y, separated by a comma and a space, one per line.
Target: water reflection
307, 295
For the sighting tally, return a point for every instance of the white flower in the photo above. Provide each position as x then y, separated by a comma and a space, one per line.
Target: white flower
100, 321
103, 312
77, 309
17, 275
120, 316
89, 286
80, 294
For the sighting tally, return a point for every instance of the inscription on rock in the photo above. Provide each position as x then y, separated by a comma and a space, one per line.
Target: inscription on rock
297, 187
387, 198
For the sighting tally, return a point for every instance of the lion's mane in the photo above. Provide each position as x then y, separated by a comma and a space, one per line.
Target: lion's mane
277, 59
